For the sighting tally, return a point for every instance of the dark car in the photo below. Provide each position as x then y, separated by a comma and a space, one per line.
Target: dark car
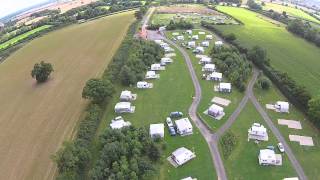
176, 114
172, 131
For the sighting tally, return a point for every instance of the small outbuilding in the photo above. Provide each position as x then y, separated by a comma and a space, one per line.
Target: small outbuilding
157, 67
215, 110
144, 85
282, 106
127, 96
209, 37
124, 107
205, 43
269, 157
195, 37
215, 76
258, 132
152, 75
182, 155
192, 44
205, 60
224, 87
156, 130
218, 44
209, 68
118, 123
184, 127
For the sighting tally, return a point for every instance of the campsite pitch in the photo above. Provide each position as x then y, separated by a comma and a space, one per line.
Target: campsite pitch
36, 118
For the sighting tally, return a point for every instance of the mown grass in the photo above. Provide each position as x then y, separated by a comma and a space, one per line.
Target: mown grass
307, 156
23, 36
172, 92
288, 53
207, 86
243, 162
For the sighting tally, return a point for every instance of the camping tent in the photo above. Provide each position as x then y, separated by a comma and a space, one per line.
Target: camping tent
182, 155
215, 110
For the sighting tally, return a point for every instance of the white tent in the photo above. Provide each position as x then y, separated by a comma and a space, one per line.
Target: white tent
215, 76
180, 37
195, 37
282, 106
144, 85
209, 37
258, 132
215, 110
205, 43
118, 123
156, 130
205, 60
192, 44
209, 68
224, 87
166, 60
182, 155
124, 107
184, 127
269, 157
218, 43
127, 96
152, 75
157, 67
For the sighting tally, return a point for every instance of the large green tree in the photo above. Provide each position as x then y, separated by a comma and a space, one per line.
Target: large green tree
314, 110
97, 90
41, 71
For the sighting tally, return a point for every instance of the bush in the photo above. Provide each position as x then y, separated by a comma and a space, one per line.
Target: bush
97, 90
228, 142
264, 83
41, 71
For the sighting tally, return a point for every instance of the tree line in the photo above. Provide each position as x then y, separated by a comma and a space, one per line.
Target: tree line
304, 30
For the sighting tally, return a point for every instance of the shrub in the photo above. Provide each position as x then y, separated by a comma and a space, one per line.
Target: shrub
228, 142
264, 83
41, 71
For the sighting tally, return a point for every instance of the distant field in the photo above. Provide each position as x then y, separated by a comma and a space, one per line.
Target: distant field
34, 118
288, 53
290, 11
22, 36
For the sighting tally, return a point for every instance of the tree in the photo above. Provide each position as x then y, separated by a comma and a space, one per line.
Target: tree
264, 83
127, 76
314, 110
253, 5
97, 90
258, 55
41, 71
230, 37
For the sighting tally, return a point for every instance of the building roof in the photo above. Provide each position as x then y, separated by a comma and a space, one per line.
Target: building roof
142, 83
156, 129
258, 129
205, 59
151, 73
126, 93
123, 105
155, 66
225, 85
216, 75
283, 104
215, 108
209, 66
183, 123
182, 155
267, 154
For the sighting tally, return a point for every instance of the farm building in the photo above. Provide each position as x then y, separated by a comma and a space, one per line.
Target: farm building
157, 67
175, 34
118, 123
124, 107
184, 127
215, 110
127, 96
224, 87
152, 75
144, 85
195, 37
258, 132
165, 61
182, 155
282, 106
192, 44
269, 157
189, 32
209, 37
215, 76
205, 43
156, 130
205, 60
199, 50
218, 44
180, 38
209, 68
201, 33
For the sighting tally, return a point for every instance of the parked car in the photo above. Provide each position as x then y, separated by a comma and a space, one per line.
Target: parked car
169, 122
176, 114
281, 148
172, 131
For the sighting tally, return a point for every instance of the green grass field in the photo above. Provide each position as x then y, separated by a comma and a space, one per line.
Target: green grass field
207, 86
288, 53
172, 92
36, 118
307, 156
291, 11
22, 36
243, 161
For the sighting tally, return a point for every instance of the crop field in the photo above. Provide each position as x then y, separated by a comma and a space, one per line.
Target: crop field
243, 161
172, 92
36, 118
287, 53
22, 36
291, 11
207, 86
307, 156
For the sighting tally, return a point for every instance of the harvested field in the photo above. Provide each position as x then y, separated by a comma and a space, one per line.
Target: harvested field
184, 8
35, 119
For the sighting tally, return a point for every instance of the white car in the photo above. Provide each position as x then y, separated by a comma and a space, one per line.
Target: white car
169, 122
281, 148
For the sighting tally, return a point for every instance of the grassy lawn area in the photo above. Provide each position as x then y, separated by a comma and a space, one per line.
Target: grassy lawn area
243, 161
307, 156
207, 86
22, 36
172, 92
288, 53
291, 11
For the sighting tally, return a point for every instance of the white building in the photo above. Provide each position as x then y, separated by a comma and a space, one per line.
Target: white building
189, 31
269, 157
124, 107
201, 32
224, 87
184, 127
165, 61
218, 44
152, 75
180, 38
205, 43
205, 60
175, 34
209, 37
215, 76
182, 155
215, 110
195, 37
118, 123
209, 68
156, 130
127, 96
258, 132
192, 44
282, 106
144, 85
157, 67
199, 50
